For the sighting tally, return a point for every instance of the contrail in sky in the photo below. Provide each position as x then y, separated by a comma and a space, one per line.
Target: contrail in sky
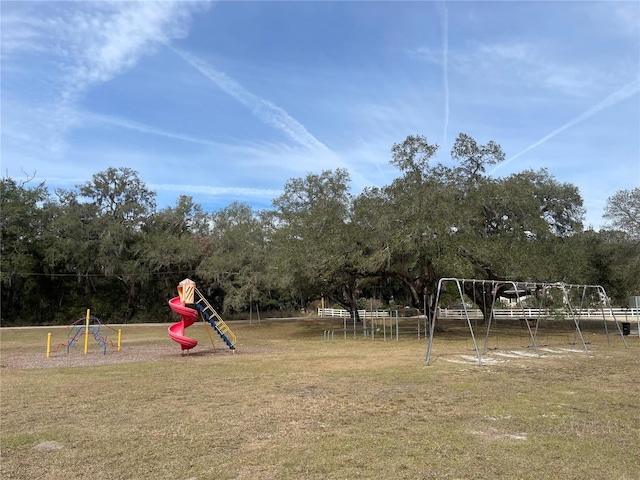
445, 71
131, 125
261, 108
625, 92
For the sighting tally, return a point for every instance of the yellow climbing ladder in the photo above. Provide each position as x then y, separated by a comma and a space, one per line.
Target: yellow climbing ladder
211, 316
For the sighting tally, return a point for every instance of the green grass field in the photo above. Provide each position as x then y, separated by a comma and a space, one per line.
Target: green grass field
288, 405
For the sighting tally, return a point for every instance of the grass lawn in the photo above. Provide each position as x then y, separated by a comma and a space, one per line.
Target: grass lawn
287, 405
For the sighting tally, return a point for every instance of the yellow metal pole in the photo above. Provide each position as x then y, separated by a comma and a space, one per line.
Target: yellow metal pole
48, 344
86, 333
119, 337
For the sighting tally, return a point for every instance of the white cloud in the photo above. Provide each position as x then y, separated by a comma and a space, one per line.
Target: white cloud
517, 65
525, 63
427, 54
627, 17
217, 191
112, 38
20, 33
621, 18
85, 44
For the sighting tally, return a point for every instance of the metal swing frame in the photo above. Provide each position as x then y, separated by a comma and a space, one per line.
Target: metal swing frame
533, 332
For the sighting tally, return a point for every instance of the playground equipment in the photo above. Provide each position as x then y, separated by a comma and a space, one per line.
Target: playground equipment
377, 324
191, 304
87, 326
530, 317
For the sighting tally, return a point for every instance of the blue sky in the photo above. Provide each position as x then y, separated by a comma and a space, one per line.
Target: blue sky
226, 101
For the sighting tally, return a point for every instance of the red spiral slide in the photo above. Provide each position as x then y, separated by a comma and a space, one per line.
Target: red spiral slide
176, 330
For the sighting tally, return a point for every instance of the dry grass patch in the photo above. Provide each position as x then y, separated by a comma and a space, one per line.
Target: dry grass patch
289, 406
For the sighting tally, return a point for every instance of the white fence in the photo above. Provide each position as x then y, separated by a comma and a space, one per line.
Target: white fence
340, 312
620, 314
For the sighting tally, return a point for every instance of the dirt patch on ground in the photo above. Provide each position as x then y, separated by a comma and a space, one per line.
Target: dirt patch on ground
77, 358
131, 354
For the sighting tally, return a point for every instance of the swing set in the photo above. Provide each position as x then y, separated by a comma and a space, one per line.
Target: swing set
556, 301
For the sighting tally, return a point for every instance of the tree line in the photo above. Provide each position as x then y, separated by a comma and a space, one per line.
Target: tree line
105, 245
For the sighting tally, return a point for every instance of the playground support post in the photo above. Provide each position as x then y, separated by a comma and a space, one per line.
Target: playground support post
432, 320
86, 333
119, 337
48, 344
